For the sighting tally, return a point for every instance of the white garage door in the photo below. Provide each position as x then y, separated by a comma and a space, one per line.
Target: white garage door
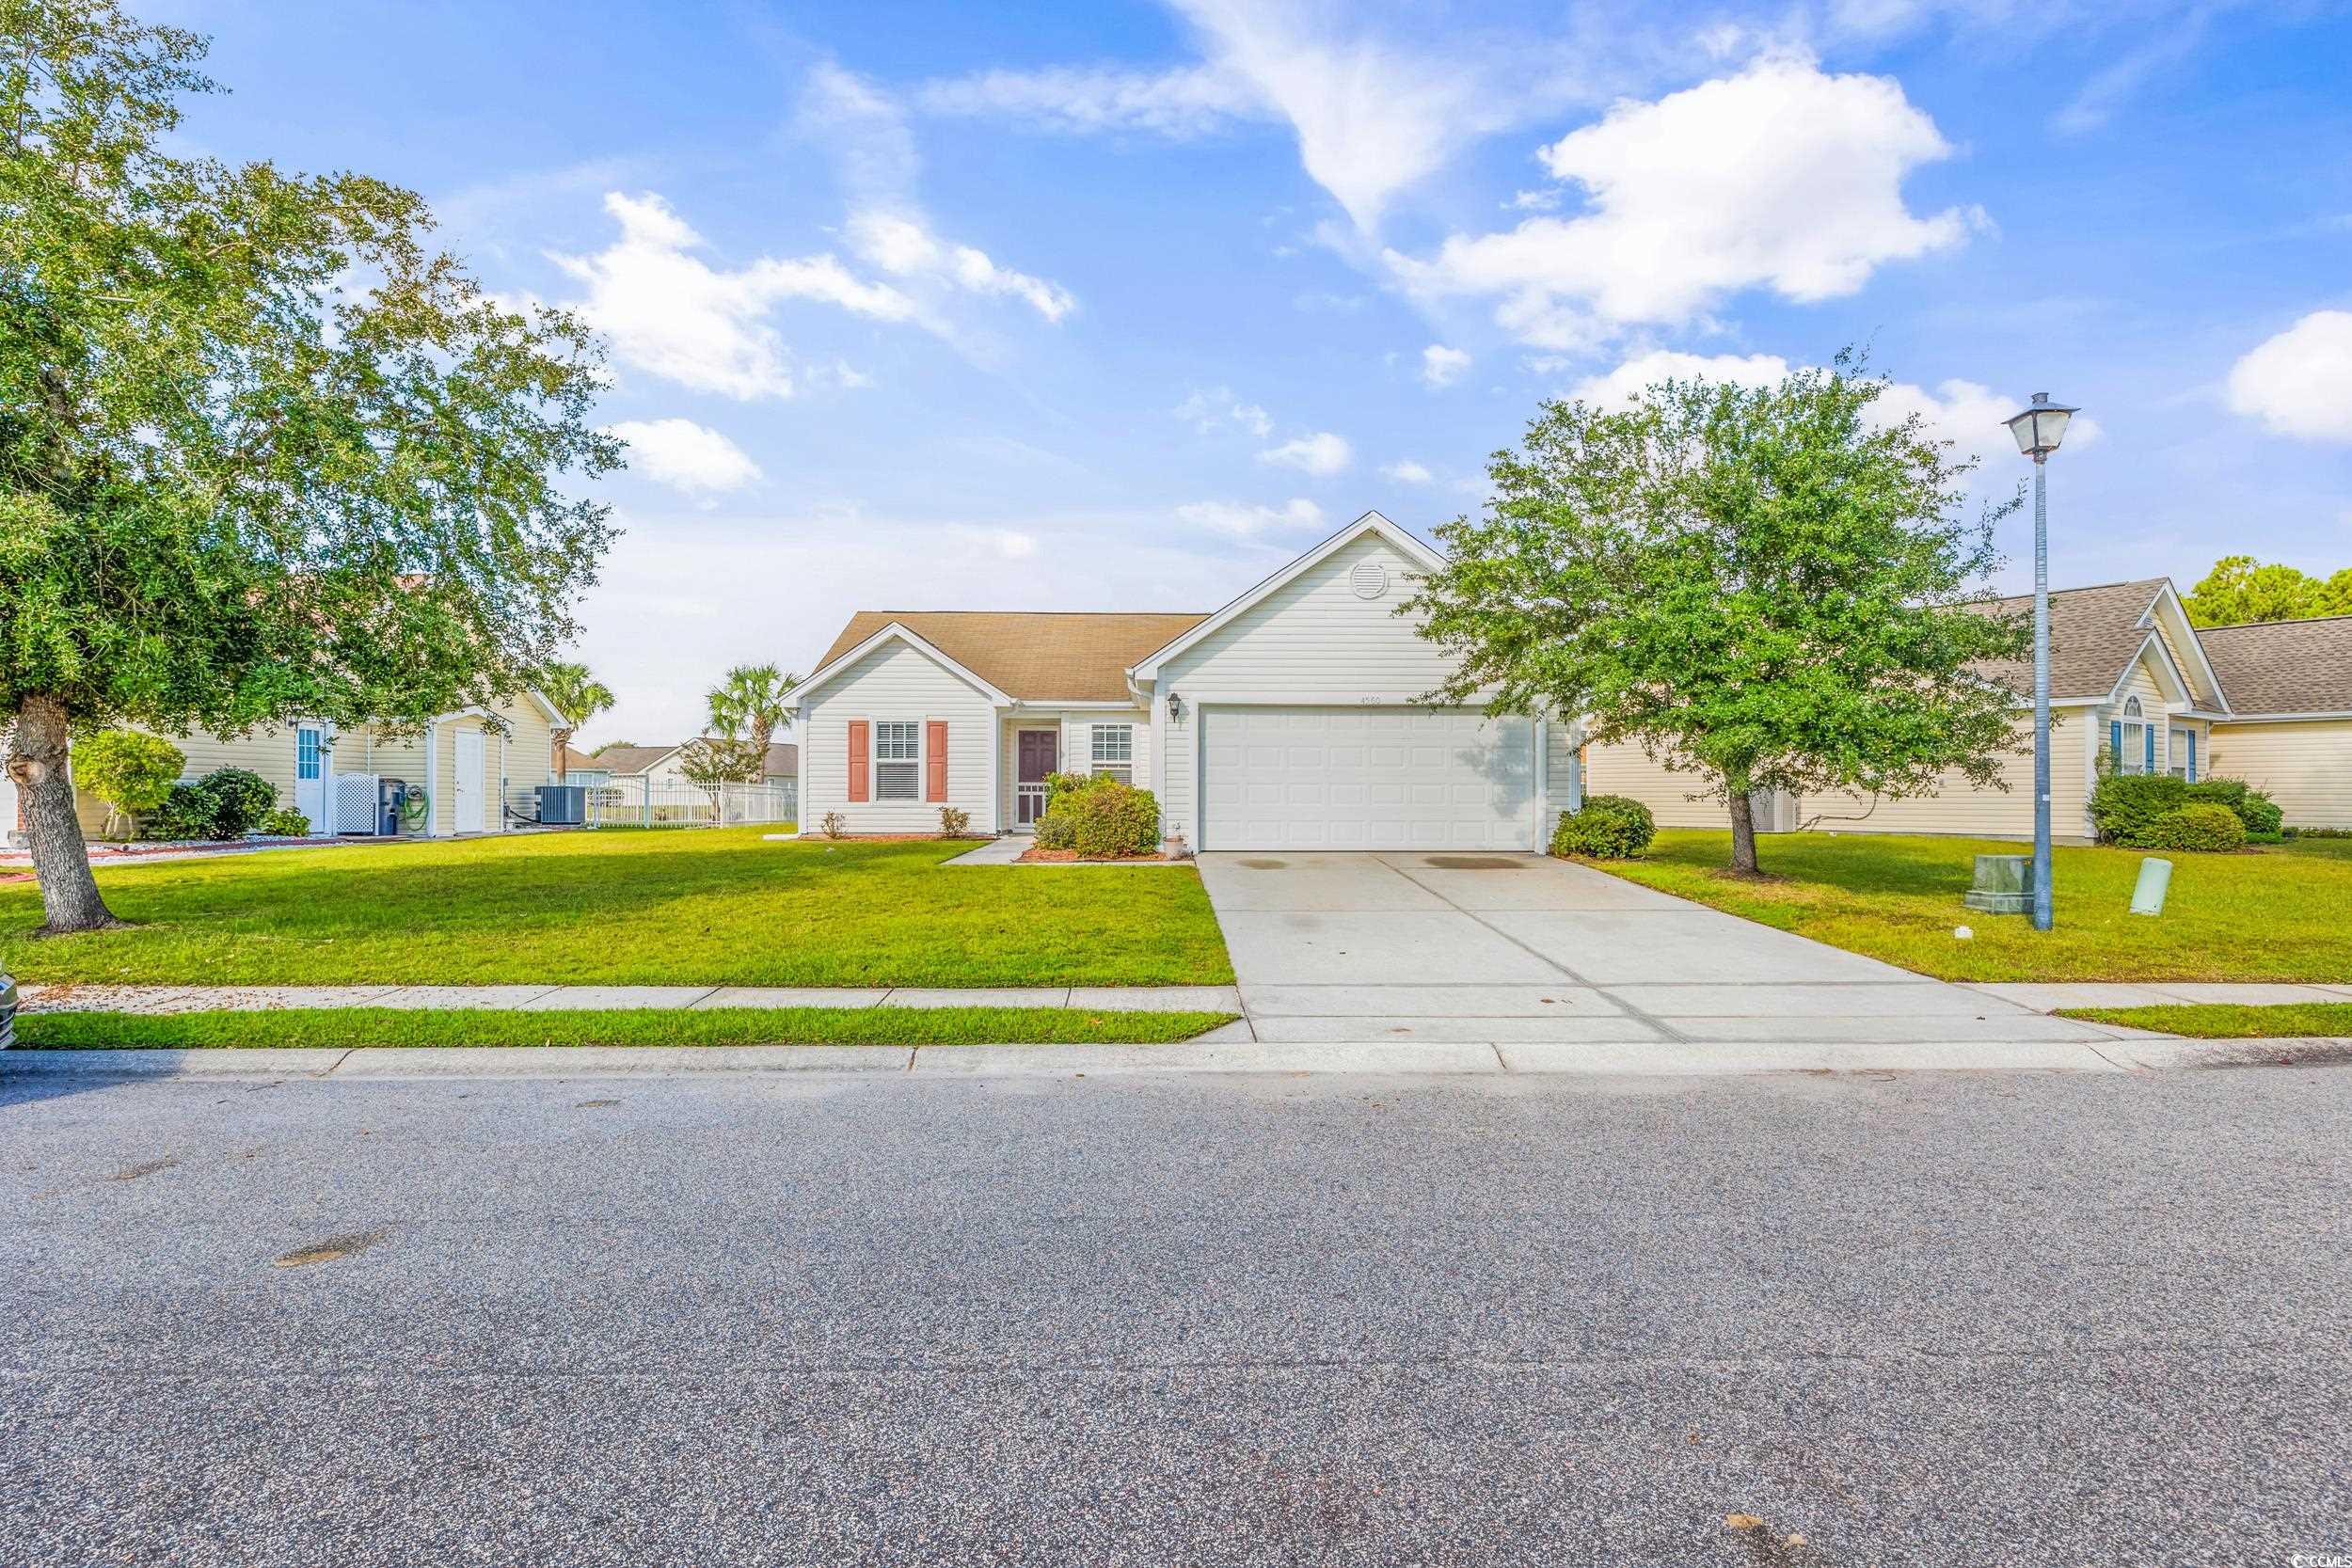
1355, 778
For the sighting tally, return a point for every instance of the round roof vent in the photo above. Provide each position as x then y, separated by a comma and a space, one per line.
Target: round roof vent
1370, 580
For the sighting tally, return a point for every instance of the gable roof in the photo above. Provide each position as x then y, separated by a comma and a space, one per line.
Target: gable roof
573, 760
629, 759
2095, 635
1032, 656
1370, 522
784, 761
2283, 666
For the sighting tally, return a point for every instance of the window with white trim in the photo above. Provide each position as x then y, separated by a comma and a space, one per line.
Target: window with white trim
2181, 753
2132, 745
1113, 751
898, 761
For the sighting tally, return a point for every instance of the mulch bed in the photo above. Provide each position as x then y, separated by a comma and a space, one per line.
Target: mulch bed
1063, 857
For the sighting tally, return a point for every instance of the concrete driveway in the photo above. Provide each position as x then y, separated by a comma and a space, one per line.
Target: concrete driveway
1523, 950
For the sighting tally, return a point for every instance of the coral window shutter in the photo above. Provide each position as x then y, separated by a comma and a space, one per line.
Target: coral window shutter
859, 772
935, 760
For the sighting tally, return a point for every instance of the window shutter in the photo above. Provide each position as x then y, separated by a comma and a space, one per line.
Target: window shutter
2192, 756
860, 774
2115, 743
935, 760
2147, 746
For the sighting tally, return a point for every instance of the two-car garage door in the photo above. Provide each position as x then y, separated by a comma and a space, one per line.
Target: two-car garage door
1365, 777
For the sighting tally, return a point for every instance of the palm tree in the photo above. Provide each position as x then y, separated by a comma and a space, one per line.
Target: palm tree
576, 697
751, 698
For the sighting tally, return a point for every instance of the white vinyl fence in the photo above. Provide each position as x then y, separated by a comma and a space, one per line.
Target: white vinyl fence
645, 802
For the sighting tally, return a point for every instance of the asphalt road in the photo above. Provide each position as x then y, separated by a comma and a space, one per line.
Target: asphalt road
1950, 1321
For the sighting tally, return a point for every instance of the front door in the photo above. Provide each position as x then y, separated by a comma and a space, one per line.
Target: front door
1040, 754
470, 815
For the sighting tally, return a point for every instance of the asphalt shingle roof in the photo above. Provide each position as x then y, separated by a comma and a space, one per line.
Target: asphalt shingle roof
2093, 633
1038, 657
2283, 666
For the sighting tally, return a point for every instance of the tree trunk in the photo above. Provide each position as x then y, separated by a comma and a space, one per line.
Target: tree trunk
1742, 831
37, 763
562, 755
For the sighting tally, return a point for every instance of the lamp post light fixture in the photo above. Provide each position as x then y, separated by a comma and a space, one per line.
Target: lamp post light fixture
2038, 430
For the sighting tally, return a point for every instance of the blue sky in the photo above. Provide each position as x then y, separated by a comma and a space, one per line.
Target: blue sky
1109, 306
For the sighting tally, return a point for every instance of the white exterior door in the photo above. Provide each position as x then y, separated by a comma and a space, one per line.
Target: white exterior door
1366, 778
310, 781
469, 808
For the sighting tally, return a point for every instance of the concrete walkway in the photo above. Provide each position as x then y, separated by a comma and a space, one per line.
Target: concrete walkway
1523, 950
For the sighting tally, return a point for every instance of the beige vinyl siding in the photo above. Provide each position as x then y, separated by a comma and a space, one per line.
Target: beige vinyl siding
2306, 767
896, 682
1622, 768
1310, 641
1962, 808
1564, 774
268, 753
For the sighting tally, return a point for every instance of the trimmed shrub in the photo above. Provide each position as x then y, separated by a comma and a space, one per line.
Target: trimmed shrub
1607, 828
286, 822
131, 770
833, 825
189, 812
2125, 807
954, 822
2263, 818
1108, 819
2200, 827
245, 799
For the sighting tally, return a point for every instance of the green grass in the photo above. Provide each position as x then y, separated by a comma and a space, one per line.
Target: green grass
2329, 849
2270, 915
341, 1028
2226, 1021
683, 906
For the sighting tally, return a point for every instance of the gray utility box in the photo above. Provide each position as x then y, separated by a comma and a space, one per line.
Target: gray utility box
2004, 885
563, 805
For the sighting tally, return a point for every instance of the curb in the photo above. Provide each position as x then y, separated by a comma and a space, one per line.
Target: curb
1673, 1060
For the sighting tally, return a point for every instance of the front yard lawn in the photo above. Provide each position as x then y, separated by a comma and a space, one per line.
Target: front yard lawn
713, 906
341, 1028
2223, 1021
2269, 915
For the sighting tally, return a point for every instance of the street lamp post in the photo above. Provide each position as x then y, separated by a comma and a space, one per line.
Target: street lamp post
2038, 430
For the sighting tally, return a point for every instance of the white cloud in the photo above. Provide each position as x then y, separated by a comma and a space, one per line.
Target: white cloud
1619, 387
1377, 102
1405, 471
1184, 104
1442, 366
690, 458
2299, 383
904, 246
1211, 411
1243, 521
1322, 453
1965, 413
668, 312
888, 225
1781, 176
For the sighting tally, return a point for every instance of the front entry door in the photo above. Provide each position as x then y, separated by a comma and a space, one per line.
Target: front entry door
1040, 755
310, 783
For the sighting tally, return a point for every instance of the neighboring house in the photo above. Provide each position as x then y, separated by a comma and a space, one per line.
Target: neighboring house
574, 766
2130, 679
2290, 728
478, 779
1292, 717
665, 764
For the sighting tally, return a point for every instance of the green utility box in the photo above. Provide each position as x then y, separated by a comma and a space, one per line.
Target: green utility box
2004, 885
